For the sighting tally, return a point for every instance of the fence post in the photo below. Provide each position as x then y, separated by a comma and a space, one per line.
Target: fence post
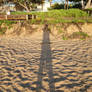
32, 17
26, 17
6, 17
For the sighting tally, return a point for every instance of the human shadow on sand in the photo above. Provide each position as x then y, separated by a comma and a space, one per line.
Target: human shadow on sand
45, 62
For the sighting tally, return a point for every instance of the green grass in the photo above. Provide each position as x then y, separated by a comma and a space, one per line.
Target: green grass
89, 9
56, 13
60, 31
7, 23
57, 16
81, 35
64, 38
78, 35
2, 30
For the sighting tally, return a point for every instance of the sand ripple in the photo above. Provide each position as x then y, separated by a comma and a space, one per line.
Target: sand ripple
23, 68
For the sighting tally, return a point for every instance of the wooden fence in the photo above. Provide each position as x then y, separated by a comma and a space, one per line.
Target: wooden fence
17, 17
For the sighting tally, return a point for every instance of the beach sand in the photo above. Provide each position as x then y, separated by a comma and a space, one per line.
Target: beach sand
45, 64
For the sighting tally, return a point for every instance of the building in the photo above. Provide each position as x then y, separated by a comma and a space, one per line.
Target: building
44, 7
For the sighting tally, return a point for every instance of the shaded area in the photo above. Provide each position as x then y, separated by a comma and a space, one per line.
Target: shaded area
46, 62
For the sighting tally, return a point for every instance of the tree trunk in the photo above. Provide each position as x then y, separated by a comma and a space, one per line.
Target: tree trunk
4, 1
28, 10
42, 7
65, 4
25, 6
50, 2
82, 4
88, 5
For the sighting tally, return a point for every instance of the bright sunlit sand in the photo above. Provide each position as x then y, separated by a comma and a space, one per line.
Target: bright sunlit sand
42, 64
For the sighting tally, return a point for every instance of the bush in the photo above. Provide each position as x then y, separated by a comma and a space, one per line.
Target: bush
57, 6
89, 9
3, 30
77, 6
8, 24
61, 15
57, 16
81, 35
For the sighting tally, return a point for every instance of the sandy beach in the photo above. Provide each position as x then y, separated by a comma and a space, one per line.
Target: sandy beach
42, 63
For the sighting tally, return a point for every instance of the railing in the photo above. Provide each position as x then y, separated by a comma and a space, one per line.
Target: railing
17, 17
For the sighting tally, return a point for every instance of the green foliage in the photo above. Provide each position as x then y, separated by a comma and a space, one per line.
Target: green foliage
25, 4
78, 21
57, 13
33, 21
89, 9
76, 13
81, 35
59, 28
89, 21
2, 30
77, 5
57, 6
78, 35
8, 24
20, 13
64, 38
57, 16
60, 31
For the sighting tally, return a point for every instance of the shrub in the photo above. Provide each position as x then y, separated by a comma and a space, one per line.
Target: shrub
2, 30
57, 16
57, 6
81, 35
8, 24
64, 38
77, 5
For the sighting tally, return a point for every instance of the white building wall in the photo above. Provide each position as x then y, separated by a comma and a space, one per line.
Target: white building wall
46, 5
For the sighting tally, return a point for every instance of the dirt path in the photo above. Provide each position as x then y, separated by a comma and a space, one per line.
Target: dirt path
45, 64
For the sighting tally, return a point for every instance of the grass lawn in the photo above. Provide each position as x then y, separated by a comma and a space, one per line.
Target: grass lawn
56, 16
59, 16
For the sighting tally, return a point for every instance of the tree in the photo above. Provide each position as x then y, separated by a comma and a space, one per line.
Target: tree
4, 8
89, 4
84, 3
66, 4
50, 2
27, 4
42, 3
